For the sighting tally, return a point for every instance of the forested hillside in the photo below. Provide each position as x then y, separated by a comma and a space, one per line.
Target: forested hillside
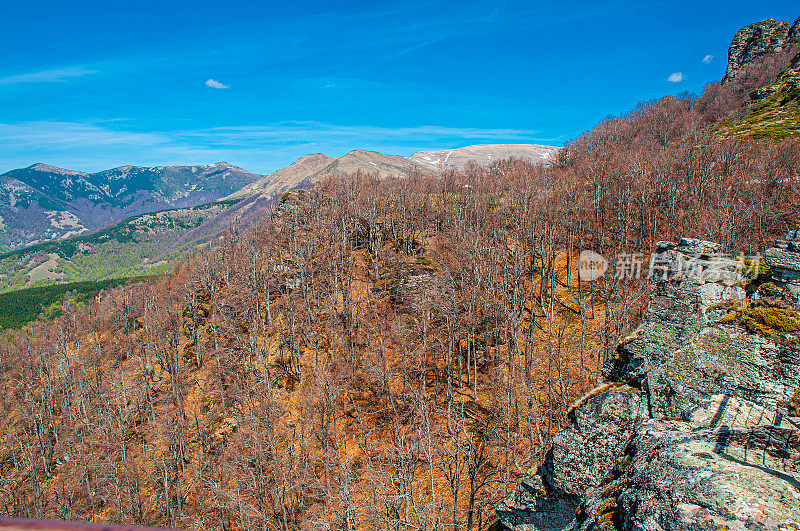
147, 244
152, 242
389, 352
380, 353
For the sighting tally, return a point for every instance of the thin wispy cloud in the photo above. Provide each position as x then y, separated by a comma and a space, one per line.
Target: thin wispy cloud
400, 53
213, 83
344, 134
675, 77
708, 58
261, 148
94, 146
47, 76
374, 36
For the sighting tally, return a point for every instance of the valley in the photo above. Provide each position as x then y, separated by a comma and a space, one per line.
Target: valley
147, 244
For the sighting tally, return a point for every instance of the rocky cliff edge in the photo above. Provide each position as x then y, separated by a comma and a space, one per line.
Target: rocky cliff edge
695, 425
757, 39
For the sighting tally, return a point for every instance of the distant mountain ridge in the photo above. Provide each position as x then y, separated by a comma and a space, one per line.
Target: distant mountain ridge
93, 226
313, 168
483, 154
43, 202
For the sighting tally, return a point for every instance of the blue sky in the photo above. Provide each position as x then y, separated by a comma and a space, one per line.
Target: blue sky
92, 85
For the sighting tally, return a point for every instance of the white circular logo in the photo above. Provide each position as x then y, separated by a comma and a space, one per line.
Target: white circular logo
592, 265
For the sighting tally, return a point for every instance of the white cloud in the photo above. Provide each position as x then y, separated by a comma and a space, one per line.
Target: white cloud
213, 83
47, 76
708, 58
675, 77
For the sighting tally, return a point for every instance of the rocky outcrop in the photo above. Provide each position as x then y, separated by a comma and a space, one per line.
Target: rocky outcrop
794, 31
785, 259
584, 453
767, 36
692, 427
785, 85
676, 475
535, 506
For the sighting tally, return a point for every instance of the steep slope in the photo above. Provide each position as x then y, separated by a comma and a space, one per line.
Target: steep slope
25, 211
286, 178
378, 163
66, 206
58, 183
774, 111
312, 168
483, 154
758, 97
178, 186
256, 197
42, 202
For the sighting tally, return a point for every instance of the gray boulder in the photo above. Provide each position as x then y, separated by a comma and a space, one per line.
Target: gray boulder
584, 453
690, 280
784, 257
532, 506
580, 457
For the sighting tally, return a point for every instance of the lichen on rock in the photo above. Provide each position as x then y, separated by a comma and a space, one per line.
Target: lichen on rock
693, 427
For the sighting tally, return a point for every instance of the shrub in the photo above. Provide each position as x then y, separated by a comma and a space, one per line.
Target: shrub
769, 290
766, 321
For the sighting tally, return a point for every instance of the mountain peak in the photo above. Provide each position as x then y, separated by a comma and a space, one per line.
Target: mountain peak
67, 202
313, 158
794, 31
483, 154
316, 166
41, 167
